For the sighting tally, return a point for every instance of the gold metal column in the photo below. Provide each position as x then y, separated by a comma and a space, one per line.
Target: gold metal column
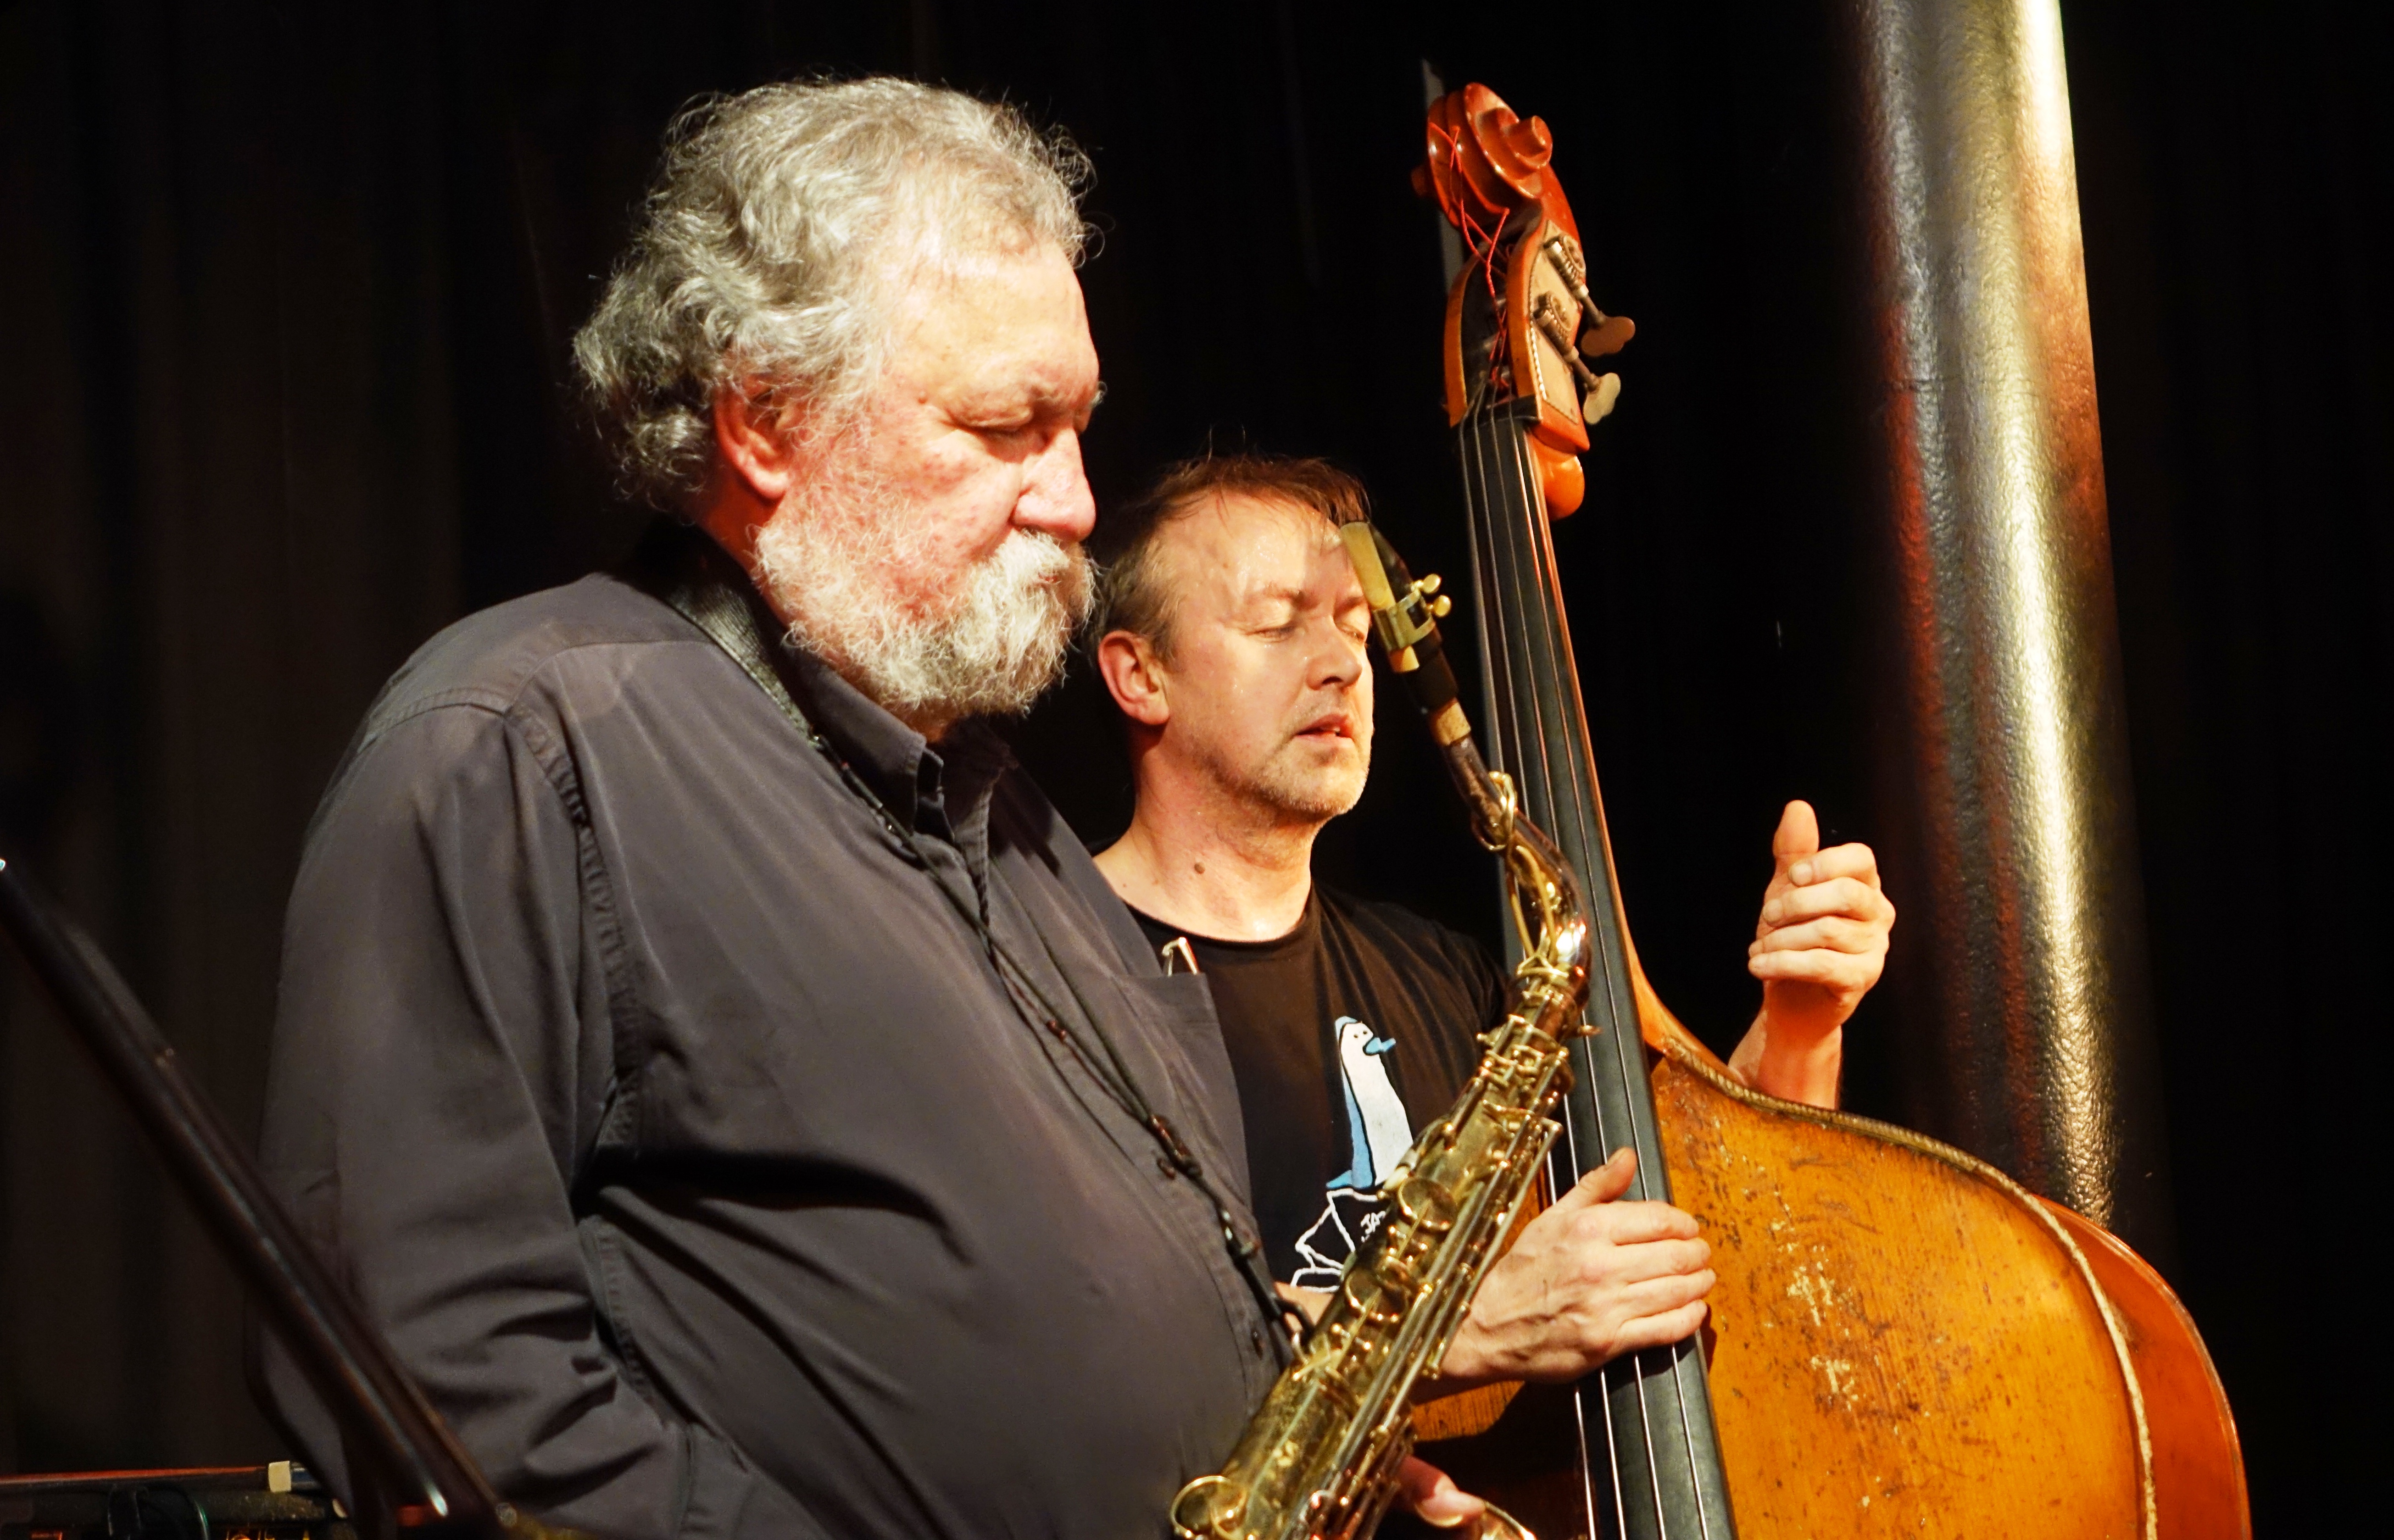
2005, 803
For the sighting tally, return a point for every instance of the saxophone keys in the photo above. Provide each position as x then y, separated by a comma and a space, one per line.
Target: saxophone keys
1365, 1293
1427, 1203
1208, 1506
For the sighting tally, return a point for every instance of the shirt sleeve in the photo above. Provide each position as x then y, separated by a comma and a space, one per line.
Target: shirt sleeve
442, 1060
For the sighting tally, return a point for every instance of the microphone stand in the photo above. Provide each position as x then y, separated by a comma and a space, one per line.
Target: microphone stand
433, 1489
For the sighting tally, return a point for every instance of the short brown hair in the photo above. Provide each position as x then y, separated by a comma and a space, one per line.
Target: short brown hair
1130, 592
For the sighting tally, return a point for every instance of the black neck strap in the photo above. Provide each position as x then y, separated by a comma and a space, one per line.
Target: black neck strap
687, 569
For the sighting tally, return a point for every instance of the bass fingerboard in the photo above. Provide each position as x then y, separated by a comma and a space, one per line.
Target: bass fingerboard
1650, 1458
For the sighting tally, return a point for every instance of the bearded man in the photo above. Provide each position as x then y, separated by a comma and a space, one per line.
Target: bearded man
718, 1069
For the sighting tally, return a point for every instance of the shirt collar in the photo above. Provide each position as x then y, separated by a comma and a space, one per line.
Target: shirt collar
940, 789
1301, 938
943, 791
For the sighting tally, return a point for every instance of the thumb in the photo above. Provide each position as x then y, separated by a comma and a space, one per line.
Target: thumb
1434, 1497
1799, 835
1603, 1184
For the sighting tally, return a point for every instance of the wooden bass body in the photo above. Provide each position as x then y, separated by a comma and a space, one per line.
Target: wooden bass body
1903, 1341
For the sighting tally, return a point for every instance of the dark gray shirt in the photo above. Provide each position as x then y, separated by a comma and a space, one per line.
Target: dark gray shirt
691, 1145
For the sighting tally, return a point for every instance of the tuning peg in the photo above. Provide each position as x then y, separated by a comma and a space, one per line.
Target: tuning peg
1598, 404
1598, 392
1608, 335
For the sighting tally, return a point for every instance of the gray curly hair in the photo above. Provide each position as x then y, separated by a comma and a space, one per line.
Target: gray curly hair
755, 260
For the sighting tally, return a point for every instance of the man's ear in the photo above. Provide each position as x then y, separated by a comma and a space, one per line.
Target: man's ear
1134, 678
758, 448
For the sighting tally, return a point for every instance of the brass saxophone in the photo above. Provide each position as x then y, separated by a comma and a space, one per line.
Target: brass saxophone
1319, 1460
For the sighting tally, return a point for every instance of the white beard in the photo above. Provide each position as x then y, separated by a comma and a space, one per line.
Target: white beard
988, 647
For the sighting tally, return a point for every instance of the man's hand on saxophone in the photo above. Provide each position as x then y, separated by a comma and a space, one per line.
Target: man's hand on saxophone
1589, 1278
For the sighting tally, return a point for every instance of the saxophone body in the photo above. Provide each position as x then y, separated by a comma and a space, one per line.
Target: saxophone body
1319, 1460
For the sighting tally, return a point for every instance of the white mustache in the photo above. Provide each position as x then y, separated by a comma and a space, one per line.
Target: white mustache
997, 642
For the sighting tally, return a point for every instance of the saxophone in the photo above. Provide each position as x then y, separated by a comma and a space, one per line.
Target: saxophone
1319, 1460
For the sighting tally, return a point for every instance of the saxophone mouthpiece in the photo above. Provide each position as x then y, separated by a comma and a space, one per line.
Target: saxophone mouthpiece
1405, 615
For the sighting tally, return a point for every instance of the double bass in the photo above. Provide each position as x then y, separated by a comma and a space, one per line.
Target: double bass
1903, 1340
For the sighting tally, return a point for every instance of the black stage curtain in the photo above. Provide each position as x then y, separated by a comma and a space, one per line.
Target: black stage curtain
284, 295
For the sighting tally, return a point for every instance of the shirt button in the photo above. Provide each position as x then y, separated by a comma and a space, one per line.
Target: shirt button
1256, 1337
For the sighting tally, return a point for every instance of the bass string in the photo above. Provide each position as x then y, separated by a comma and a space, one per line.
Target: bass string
1539, 785
1561, 735
1553, 718
1528, 698
1489, 624
1551, 653
1571, 794
1497, 619
1659, 1372
1493, 619
1537, 603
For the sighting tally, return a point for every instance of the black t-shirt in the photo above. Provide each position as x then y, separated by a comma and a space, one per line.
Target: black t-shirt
1346, 1036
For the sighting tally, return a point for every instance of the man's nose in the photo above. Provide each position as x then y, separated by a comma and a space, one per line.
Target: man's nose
1338, 659
1056, 497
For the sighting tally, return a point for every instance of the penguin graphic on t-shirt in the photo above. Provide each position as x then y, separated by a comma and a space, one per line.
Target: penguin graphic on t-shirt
1378, 1134
1377, 1131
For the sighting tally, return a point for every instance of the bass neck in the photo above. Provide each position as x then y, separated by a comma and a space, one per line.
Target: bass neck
1649, 1454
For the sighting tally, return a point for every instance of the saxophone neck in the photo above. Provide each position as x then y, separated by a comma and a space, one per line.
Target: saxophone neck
1542, 892
1488, 794
1550, 915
